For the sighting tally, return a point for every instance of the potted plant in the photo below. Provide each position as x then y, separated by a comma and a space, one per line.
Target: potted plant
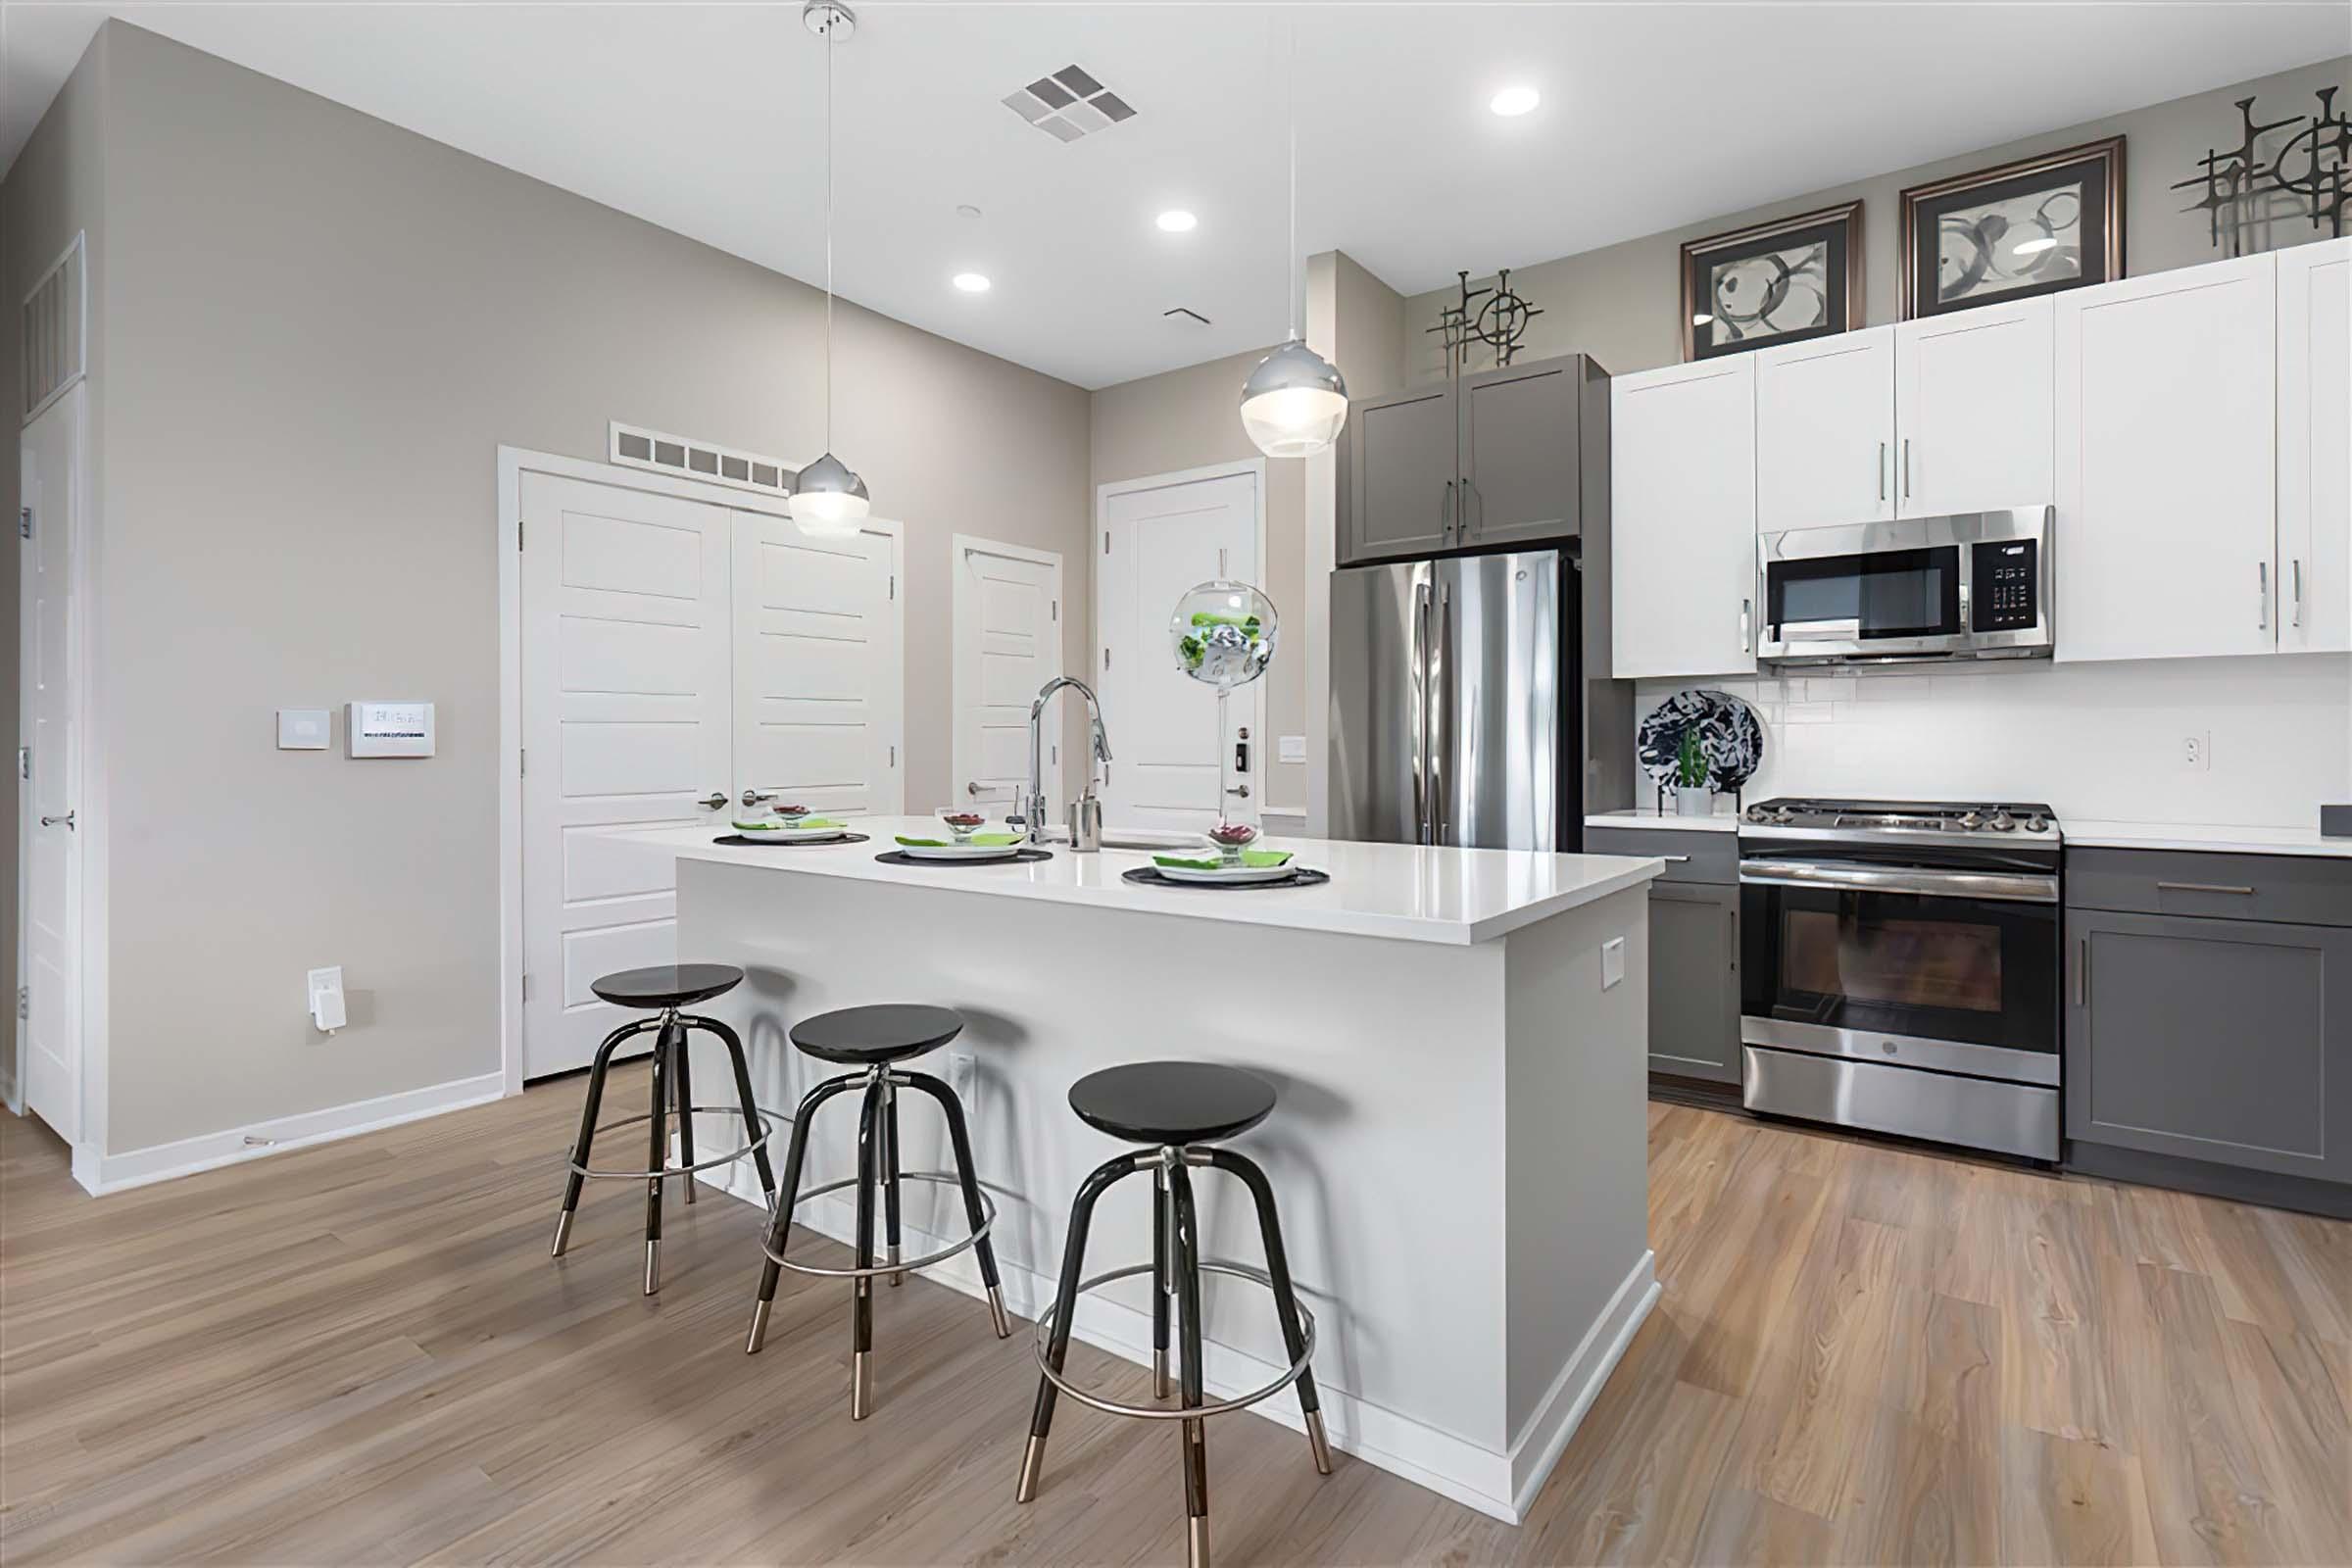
1691, 796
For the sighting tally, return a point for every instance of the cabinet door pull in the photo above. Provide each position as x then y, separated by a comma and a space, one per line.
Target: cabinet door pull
1882, 465
2298, 570
1733, 912
2082, 971
1748, 608
2262, 595
2204, 887
1906, 467
1445, 511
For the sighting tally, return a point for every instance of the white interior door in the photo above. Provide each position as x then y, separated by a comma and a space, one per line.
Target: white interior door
627, 719
51, 1060
1159, 541
1825, 431
1973, 409
819, 699
1008, 607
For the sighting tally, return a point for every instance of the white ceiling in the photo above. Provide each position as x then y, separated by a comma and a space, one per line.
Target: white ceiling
707, 119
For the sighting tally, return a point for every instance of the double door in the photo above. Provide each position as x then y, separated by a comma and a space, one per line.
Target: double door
1920, 419
1450, 705
678, 657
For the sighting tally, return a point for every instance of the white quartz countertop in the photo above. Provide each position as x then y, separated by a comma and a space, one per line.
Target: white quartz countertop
1724, 823
1403, 892
2201, 836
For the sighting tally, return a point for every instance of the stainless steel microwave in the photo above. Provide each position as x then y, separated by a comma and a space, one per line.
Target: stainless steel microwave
1972, 585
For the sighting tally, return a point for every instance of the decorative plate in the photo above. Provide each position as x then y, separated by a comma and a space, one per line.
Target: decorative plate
1729, 737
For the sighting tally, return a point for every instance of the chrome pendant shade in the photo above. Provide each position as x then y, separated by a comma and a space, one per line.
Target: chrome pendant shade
1295, 403
828, 500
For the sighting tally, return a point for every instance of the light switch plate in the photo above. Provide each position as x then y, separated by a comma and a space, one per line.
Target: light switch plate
388, 729
1292, 749
1612, 962
303, 729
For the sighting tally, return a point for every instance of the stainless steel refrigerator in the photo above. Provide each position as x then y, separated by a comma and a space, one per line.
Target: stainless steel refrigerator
1454, 691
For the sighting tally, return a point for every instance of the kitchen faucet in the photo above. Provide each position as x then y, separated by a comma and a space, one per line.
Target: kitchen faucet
1033, 801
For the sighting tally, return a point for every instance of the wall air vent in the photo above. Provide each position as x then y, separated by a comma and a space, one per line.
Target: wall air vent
1068, 104
55, 329
633, 447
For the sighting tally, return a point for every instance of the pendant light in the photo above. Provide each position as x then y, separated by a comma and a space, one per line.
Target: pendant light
828, 501
1295, 402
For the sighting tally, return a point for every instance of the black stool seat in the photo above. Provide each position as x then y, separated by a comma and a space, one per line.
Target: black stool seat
889, 1031
1172, 1102
668, 985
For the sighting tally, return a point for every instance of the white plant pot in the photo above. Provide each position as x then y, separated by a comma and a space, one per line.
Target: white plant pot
1699, 802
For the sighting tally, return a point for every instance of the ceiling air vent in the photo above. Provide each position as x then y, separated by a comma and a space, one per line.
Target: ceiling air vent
636, 448
1068, 104
54, 332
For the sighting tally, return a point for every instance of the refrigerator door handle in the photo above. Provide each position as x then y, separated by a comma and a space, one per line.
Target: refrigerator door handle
1444, 778
1421, 688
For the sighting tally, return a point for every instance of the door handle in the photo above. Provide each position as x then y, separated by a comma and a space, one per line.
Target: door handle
1906, 467
751, 798
712, 802
1241, 789
1880, 468
64, 821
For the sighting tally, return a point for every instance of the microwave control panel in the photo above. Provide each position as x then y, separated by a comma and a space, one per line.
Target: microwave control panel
2007, 592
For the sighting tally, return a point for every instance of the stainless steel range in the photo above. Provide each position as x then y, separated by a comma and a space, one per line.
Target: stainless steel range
1899, 968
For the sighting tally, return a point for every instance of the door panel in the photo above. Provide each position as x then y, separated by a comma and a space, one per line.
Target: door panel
1973, 409
2167, 394
819, 697
1162, 723
1497, 685
627, 721
1682, 519
1008, 647
1398, 479
1825, 431
1519, 454
52, 1059
1380, 627
2314, 447
1694, 980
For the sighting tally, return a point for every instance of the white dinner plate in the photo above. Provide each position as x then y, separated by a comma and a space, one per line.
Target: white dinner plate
1237, 873
800, 833
961, 851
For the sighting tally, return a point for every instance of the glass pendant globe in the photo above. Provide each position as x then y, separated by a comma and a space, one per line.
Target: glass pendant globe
1223, 634
827, 500
1295, 403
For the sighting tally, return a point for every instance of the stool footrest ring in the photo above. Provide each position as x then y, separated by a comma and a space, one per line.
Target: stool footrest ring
1161, 1412
943, 1178
767, 1125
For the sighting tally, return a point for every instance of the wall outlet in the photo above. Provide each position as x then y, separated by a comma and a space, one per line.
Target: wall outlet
2196, 751
1612, 962
326, 999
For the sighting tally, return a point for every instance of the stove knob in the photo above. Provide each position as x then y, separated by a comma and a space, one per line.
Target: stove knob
2038, 823
1971, 821
1757, 814
2002, 822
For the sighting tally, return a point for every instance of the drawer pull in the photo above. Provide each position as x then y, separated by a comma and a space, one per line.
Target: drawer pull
1678, 860
2203, 886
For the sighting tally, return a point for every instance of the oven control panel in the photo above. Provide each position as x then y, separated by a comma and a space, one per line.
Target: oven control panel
2006, 595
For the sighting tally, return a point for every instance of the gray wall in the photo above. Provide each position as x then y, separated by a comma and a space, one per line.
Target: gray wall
55, 187
1190, 418
1622, 304
323, 327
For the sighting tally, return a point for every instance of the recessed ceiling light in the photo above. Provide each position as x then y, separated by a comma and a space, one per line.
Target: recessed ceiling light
1176, 220
971, 282
1515, 101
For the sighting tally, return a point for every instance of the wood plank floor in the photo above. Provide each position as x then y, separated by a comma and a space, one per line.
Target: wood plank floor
363, 1353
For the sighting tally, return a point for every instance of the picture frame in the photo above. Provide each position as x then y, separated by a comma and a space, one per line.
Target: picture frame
1781, 281
1960, 240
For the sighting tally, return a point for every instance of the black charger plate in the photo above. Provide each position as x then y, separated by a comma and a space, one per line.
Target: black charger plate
900, 857
790, 844
1300, 877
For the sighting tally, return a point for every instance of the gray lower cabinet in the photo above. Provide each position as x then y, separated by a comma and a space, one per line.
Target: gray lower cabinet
2222, 1040
1694, 980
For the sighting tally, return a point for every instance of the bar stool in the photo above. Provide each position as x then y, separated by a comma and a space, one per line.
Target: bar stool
1177, 1106
872, 1038
668, 987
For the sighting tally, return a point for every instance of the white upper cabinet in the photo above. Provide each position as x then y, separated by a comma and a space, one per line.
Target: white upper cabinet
1683, 526
1825, 430
1973, 415
2166, 526
2314, 447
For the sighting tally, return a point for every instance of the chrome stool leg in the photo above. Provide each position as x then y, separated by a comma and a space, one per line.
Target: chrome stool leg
779, 1229
573, 1182
1188, 1300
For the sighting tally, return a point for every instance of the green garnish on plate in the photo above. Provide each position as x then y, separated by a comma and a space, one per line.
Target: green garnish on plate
1252, 860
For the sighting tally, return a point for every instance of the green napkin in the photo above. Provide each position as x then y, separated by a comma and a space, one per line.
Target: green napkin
1254, 860
772, 824
993, 840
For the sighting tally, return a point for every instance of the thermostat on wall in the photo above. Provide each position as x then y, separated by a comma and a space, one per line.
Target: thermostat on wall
389, 729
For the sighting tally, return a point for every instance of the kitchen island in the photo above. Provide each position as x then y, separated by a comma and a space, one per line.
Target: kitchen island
1458, 1038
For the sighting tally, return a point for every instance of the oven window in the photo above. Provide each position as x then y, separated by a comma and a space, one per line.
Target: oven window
1894, 593
1905, 963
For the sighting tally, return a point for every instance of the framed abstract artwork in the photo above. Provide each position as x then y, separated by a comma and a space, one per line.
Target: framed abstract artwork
2034, 227
1778, 282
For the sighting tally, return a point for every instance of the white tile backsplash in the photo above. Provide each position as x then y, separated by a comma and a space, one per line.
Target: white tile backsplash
2096, 741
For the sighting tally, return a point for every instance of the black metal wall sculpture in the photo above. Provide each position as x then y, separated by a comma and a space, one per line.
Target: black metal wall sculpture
1501, 323
2312, 163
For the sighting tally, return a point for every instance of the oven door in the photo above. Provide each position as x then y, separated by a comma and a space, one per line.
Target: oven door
1952, 970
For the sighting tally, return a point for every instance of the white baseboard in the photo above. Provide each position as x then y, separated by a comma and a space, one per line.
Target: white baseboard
1499, 1484
100, 1173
